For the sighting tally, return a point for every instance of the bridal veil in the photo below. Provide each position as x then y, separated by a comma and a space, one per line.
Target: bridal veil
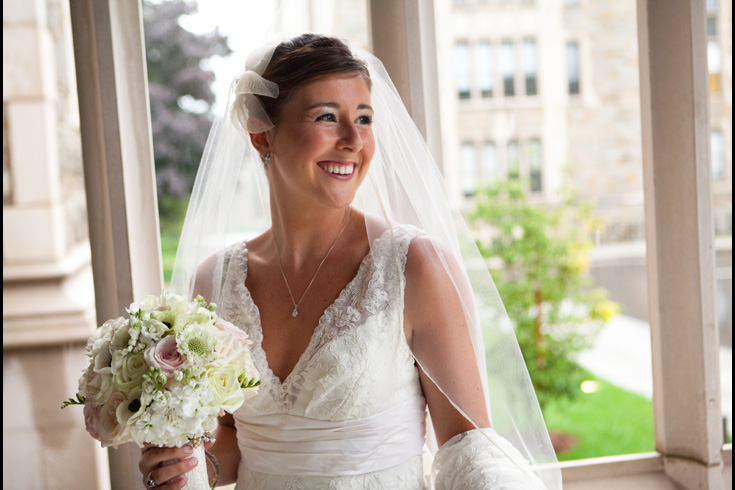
230, 202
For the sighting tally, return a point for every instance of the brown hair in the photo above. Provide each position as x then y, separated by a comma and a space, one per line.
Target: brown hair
304, 59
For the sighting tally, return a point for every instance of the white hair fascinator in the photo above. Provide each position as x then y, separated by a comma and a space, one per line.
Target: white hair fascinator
248, 114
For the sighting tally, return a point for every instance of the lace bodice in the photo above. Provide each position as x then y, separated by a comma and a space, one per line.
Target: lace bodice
357, 364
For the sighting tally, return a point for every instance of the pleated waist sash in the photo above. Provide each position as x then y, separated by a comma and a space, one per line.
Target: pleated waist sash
293, 445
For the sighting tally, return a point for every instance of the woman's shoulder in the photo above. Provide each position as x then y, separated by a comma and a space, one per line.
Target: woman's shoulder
429, 262
213, 267
380, 230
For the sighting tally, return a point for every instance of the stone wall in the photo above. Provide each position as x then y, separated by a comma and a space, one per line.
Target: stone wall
48, 295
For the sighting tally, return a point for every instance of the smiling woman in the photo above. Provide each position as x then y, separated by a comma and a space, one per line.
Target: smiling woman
322, 147
363, 309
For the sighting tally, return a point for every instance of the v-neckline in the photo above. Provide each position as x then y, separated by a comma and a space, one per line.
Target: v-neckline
318, 330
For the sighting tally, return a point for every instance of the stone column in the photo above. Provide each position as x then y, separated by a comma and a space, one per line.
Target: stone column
48, 296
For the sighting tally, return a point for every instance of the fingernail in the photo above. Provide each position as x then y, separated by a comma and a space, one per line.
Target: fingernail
191, 462
188, 449
181, 482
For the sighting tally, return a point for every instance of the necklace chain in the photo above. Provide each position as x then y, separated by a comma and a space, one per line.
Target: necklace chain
295, 312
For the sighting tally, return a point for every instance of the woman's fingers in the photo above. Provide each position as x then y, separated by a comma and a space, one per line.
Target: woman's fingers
156, 455
170, 476
164, 467
170, 485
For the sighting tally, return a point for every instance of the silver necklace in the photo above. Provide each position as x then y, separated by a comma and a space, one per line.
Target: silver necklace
295, 312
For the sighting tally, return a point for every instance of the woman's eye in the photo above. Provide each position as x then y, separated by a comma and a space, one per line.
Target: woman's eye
365, 120
327, 117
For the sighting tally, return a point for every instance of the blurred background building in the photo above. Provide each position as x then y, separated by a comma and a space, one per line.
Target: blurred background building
548, 93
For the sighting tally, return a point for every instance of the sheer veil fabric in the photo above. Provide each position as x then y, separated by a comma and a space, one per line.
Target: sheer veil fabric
230, 202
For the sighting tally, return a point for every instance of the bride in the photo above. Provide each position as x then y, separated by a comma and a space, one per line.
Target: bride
365, 298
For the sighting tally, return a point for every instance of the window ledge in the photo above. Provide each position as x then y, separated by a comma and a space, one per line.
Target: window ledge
624, 465
611, 466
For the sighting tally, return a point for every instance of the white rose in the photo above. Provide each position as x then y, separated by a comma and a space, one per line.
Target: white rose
96, 386
103, 334
227, 394
130, 374
111, 432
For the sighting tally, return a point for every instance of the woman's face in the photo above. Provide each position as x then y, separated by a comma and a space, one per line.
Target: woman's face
322, 146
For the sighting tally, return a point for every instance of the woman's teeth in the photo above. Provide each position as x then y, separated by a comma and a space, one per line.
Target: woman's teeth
339, 169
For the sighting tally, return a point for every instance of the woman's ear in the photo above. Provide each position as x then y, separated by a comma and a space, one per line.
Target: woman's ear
261, 143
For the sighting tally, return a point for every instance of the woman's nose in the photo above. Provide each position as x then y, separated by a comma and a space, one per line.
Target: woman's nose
350, 137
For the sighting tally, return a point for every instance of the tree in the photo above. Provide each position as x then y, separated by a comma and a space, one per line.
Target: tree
539, 258
181, 96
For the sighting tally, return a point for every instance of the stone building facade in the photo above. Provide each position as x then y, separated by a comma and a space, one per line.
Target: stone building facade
549, 90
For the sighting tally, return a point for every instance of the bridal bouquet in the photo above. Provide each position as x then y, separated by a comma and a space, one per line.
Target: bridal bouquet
163, 374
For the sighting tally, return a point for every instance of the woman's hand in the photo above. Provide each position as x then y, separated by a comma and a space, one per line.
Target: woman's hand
165, 467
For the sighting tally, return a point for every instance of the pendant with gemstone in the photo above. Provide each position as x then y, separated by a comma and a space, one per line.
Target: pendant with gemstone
295, 311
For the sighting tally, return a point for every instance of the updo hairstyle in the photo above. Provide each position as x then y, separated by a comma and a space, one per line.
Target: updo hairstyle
302, 60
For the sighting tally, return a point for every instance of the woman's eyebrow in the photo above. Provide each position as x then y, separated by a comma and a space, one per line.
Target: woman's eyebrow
323, 104
335, 105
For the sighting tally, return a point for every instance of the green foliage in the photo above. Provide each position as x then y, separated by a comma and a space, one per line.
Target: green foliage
607, 422
155, 377
79, 400
181, 97
538, 255
246, 382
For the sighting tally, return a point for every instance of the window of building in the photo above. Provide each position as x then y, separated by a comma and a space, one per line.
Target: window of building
712, 18
463, 69
489, 163
573, 67
714, 62
514, 160
717, 154
484, 62
507, 65
533, 157
530, 66
468, 162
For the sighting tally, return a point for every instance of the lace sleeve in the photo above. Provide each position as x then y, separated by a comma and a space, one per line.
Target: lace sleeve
480, 459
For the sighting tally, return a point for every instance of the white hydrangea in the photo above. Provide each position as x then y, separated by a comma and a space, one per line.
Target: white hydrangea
176, 393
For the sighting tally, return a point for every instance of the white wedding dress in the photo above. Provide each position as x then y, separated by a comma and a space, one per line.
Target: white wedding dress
351, 414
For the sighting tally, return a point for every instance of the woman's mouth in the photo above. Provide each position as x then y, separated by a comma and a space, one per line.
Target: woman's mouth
335, 169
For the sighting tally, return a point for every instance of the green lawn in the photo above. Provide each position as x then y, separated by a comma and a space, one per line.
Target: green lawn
609, 421
168, 254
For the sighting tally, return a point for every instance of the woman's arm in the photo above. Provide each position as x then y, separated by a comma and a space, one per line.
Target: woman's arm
225, 449
436, 328
436, 303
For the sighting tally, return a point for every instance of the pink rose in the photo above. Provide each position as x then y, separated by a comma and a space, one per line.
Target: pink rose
91, 418
231, 329
166, 356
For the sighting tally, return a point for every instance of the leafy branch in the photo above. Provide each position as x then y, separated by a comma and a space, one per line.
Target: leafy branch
79, 400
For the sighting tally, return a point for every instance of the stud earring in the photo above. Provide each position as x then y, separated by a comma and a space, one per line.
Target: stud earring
267, 159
